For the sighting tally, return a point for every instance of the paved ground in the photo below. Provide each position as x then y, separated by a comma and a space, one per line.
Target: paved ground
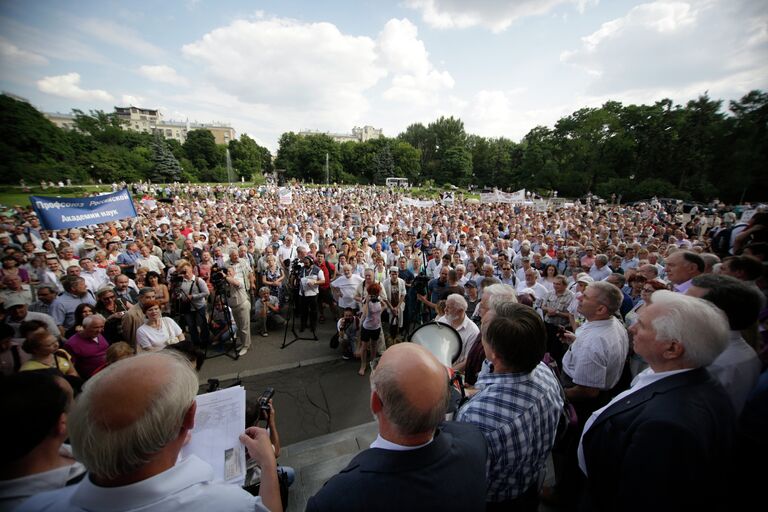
316, 392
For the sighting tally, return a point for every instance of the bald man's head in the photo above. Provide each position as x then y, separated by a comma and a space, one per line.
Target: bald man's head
413, 388
130, 411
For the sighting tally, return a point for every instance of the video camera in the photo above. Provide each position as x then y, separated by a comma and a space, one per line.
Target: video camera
419, 284
218, 277
176, 279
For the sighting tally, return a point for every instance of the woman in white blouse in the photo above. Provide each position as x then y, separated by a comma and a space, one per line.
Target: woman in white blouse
158, 331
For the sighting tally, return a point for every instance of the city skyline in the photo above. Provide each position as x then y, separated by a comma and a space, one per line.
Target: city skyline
269, 67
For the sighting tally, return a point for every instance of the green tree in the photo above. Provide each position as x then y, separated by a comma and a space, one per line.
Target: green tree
456, 166
200, 148
248, 158
407, 160
165, 168
33, 148
383, 165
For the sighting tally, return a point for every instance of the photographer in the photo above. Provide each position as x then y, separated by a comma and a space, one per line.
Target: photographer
268, 311
240, 303
191, 293
310, 277
262, 411
348, 327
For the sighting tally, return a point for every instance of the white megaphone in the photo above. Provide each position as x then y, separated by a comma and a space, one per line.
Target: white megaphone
442, 340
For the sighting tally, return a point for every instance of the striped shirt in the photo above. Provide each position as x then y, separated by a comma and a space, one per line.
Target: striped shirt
517, 414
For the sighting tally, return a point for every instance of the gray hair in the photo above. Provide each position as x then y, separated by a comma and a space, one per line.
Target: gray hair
264, 289
458, 301
698, 325
408, 419
608, 295
110, 454
47, 287
503, 304
501, 289
87, 321
602, 258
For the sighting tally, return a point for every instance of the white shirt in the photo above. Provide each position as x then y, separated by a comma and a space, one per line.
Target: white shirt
597, 356
383, 444
468, 331
154, 339
347, 288
737, 368
151, 262
187, 486
13, 492
95, 280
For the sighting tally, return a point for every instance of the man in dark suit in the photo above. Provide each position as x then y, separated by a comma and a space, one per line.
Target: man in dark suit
414, 464
665, 443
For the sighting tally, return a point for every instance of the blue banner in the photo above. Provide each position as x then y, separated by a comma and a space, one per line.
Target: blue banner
77, 212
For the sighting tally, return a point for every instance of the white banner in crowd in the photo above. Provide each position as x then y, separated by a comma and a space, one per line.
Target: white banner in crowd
286, 196
497, 196
418, 203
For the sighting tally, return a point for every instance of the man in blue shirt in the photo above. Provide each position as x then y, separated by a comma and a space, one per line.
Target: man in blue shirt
518, 405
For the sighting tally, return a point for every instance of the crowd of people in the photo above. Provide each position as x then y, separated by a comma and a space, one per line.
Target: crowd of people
647, 323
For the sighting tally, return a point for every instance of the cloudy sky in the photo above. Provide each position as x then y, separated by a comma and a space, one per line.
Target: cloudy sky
268, 67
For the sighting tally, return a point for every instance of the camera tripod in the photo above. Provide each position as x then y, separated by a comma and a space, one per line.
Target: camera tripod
290, 320
229, 346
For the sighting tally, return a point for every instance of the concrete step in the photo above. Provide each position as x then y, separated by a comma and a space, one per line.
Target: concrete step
317, 460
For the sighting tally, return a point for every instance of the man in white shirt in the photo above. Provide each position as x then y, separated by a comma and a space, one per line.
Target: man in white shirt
149, 261
737, 367
143, 408
37, 460
456, 316
95, 278
600, 269
681, 267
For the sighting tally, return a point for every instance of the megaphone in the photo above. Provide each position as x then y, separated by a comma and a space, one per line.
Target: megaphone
442, 340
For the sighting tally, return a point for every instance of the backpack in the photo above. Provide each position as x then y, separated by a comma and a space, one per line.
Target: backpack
721, 241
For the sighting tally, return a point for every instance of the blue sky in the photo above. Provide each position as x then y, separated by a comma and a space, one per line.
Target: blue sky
268, 67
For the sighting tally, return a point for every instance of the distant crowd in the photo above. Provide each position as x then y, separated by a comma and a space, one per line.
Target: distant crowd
576, 308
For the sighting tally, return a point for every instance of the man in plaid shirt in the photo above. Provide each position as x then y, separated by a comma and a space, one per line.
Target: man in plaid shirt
518, 406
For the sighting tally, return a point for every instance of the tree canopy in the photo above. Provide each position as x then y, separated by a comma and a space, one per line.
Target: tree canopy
698, 150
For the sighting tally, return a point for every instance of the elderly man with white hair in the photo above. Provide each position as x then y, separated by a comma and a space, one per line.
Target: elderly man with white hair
665, 442
128, 427
456, 316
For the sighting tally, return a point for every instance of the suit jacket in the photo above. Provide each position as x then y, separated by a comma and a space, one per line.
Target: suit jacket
447, 474
665, 447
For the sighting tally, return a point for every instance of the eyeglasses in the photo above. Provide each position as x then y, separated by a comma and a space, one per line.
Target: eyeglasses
111, 297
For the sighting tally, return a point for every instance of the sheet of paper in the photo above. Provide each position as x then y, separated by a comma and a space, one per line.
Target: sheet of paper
219, 421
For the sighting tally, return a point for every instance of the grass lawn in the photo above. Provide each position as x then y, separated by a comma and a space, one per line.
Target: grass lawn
11, 196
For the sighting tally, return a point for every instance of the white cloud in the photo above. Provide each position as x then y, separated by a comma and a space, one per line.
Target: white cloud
128, 99
415, 80
68, 86
508, 113
667, 47
310, 69
13, 54
496, 15
119, 35
164, 74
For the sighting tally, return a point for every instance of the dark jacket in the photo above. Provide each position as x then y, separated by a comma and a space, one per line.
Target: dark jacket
447, 474
665, 447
